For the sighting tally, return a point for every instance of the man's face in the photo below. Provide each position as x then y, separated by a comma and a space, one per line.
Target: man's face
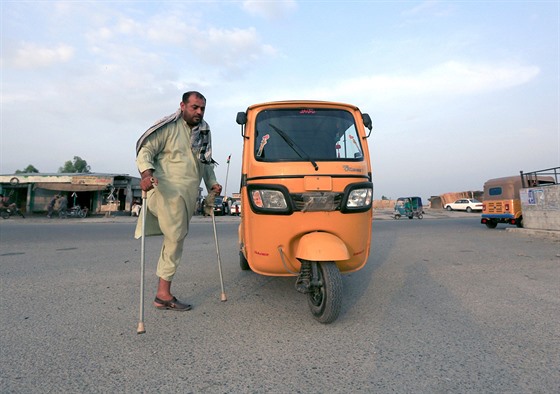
193, 110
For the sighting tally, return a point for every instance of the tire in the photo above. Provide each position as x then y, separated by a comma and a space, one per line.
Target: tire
325, 300
243, 263
469, 209
519, 222
5, 214
491, 224
81, 213
397, 216
420, 216
449, 208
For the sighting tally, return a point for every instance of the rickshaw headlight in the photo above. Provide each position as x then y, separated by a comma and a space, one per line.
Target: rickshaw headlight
358, 197
269, 199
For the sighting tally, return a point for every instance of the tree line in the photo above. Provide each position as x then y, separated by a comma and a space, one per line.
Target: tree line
76, 165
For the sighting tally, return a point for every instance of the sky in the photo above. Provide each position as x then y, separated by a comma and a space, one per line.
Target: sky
459, 91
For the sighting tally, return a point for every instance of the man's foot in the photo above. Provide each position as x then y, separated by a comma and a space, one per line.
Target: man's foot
172, 304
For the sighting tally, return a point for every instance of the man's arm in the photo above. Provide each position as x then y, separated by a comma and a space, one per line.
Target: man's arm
209, 178
145, 161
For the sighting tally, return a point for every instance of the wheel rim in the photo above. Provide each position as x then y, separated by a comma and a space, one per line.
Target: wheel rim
325, 299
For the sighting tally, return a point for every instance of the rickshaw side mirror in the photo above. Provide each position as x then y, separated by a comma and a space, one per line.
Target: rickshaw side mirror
368, 123
241, 119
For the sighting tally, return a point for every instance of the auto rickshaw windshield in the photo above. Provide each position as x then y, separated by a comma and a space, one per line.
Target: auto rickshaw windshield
306, 134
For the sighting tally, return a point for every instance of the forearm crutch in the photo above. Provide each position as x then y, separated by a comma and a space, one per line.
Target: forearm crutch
210, 206
141, 329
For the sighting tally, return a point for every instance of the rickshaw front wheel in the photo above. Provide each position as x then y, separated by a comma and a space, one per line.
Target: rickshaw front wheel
325, 296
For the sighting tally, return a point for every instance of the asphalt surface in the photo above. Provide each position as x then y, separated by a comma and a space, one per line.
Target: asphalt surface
444, 305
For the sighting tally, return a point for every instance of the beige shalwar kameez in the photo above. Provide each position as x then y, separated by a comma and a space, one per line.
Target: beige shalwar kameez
172, 203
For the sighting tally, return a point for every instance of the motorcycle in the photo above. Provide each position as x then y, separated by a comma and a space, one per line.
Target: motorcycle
306, 196
75, 212
6, 212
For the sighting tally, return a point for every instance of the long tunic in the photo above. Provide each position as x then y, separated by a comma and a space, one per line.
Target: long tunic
167, 151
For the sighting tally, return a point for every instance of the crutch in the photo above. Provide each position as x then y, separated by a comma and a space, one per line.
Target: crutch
141, 329
210, 210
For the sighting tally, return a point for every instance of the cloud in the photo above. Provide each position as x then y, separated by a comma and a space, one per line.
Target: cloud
231, 47
30, 56
182, 42
446, 79
269, 9
425, 5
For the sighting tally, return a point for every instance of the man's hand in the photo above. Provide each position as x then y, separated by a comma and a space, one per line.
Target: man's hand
148, 181
216, 189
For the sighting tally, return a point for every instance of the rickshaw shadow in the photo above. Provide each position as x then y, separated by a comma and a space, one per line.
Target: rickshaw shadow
356, 284
279, 294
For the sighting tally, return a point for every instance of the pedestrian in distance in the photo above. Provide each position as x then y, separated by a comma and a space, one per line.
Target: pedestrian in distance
135, 209
50, 207
63, 206
173, 157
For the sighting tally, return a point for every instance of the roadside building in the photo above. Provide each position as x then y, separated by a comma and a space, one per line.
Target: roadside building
99, 193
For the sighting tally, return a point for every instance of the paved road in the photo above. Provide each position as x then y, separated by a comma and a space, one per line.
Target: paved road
443, 306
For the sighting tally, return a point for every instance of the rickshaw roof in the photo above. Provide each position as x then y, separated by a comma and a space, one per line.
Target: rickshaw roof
299, 103
510, 186
516, 179
410, 198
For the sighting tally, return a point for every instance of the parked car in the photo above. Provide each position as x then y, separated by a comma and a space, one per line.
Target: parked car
464, 204
235, 208
220, 206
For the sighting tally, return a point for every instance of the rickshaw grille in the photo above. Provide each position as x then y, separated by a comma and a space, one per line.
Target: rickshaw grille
317, 201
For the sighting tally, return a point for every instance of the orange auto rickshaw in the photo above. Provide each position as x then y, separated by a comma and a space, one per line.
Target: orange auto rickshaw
501, 202
306, 196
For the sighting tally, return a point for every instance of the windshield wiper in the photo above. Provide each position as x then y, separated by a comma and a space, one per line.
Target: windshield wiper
295, 147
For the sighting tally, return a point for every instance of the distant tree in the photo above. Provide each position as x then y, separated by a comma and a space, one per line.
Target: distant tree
78, 165
29, 169
385, 198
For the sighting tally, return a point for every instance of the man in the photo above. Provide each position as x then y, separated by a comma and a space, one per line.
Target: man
50, 207
173, 156
63, 207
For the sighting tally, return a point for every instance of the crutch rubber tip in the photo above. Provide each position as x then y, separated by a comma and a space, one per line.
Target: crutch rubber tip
140, 329
223, 297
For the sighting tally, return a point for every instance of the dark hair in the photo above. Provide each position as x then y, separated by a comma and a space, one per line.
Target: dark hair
188, 94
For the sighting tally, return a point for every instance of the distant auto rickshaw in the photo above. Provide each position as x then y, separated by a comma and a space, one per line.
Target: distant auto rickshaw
409, 207
306, 196
502, 202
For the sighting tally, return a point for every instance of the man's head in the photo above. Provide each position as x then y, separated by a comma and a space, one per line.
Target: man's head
193, 106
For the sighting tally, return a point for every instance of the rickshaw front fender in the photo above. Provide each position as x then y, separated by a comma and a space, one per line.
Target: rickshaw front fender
322, 246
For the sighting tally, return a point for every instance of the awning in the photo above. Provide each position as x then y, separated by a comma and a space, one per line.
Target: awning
68, 187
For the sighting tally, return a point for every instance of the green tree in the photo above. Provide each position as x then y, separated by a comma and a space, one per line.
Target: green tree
29, 169
78, 165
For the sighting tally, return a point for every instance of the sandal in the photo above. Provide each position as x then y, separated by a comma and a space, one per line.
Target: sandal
172, 304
